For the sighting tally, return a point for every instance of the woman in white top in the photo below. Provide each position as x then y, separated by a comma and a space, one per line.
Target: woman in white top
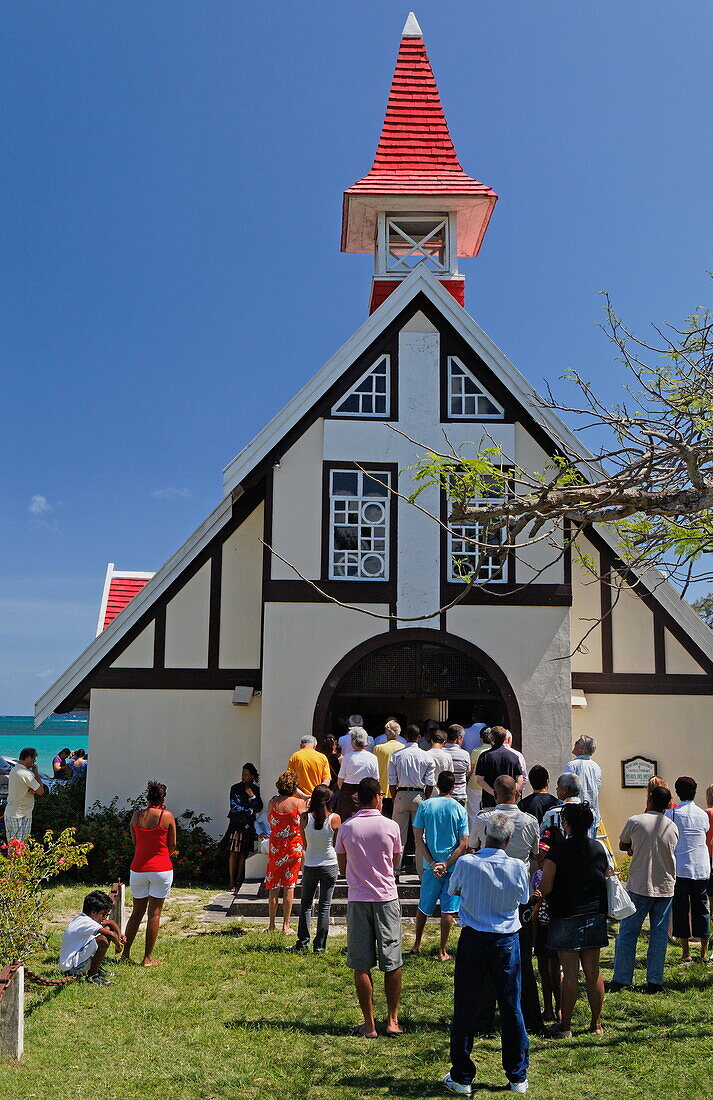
320, 869
355, 766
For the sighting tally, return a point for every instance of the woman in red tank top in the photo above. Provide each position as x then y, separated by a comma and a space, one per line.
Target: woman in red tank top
153, 832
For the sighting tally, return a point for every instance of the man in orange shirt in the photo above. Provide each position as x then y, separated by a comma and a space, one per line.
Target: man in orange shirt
310, 766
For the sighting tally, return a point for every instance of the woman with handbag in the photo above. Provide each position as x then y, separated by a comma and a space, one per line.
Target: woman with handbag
574, 883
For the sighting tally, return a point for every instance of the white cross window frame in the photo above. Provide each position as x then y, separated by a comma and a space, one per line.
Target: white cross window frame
364, 551
462, 552
374, 383
398, 267
467, 398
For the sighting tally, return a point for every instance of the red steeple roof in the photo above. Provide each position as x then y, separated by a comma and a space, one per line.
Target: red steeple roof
415, 154
415, 157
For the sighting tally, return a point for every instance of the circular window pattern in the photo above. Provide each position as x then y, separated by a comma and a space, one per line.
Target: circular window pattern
373, 513
372, 565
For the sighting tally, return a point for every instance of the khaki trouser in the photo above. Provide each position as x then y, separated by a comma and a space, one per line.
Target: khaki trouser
474, 803
406, 804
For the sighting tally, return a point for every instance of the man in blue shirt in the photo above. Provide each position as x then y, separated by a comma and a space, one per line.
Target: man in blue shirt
491, 887
440, 829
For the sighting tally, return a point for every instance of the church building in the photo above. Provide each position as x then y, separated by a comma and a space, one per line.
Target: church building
231, 652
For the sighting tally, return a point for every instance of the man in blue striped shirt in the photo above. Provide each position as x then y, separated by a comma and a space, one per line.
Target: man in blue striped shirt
491, 886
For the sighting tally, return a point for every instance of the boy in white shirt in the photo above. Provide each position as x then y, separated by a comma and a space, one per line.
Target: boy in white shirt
87, 938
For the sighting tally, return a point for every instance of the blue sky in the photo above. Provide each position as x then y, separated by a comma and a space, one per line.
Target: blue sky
171, 275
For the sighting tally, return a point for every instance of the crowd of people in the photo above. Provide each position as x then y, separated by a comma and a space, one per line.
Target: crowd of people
525, 877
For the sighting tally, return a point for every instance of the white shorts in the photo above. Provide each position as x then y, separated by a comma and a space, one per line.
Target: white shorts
150, 884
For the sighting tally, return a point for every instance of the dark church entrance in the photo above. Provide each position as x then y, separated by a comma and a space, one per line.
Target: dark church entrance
412, 675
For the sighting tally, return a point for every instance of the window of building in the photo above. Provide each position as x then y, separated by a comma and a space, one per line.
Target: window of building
467, 555
466, 397
416, 239
370, 396
359, 525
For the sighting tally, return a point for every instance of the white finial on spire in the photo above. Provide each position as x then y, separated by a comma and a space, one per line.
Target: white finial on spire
411, 27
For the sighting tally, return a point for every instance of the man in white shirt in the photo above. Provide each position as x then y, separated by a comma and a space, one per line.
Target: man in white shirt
518, 754
460, 761
590, 775
441, 757
691, 917
412, 772
345, 741
23, 787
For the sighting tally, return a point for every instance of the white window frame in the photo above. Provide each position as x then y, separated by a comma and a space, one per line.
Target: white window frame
386, 360
481, 392
385, 268
491, 571
356, 505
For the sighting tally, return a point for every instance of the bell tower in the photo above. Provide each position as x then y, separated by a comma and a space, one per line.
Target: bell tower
416, 206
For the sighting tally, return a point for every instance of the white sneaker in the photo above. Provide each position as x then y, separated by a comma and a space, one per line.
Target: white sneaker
519, 1086
455, 1086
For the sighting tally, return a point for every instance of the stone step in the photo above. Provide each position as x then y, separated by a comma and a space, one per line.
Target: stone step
251, 901
257, 910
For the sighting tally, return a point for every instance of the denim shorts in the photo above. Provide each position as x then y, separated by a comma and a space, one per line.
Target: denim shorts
577, 933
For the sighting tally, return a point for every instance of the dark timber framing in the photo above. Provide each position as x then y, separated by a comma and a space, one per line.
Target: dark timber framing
212, 677
660, 681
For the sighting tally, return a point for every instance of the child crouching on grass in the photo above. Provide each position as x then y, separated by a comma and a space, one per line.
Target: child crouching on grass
87, 938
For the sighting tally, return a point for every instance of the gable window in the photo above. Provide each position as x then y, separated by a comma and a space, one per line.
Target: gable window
359, 525
467, 555
467, 399
371, 394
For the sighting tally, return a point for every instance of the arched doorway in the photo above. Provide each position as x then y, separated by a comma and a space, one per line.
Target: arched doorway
415, 674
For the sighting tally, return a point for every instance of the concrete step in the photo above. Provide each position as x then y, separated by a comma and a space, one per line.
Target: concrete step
251, 901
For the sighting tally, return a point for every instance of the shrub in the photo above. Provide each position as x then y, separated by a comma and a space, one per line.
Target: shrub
198, 857
23, 905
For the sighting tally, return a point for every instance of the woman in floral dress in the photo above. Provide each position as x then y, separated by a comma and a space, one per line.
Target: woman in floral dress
285, 857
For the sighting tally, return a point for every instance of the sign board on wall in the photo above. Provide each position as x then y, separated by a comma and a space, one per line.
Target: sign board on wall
637, 771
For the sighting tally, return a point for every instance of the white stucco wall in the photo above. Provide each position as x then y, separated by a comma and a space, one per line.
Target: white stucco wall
678, 659
241, 594
297, 506
675, 730
303, 642
193, 741
632, 632
530, 645
139, 653
187, 619
586, 611
538, 563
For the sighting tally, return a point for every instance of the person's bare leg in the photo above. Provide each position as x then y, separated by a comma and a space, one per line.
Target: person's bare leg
556, 983
232, 864
685, 951
239, 870
595, 988
570, 986
288, 896
98, 956
392, 988
153, 922
446, 925
365, 994
272, 900
420, 925
704, 947
132, 925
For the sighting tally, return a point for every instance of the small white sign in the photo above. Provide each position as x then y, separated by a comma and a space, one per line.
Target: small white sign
637, 771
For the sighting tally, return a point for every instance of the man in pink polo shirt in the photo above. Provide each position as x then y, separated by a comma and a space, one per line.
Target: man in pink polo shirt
368, 849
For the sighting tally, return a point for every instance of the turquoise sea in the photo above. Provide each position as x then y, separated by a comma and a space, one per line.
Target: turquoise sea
62, 731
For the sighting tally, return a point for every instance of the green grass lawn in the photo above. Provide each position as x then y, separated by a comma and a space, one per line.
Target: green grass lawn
232, 1015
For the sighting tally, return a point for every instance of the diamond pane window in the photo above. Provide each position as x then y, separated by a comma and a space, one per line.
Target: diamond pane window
466, 397
466, 554
411, 241
359, 525
371, 394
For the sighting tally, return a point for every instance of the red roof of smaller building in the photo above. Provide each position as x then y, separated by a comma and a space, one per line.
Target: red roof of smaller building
119, 589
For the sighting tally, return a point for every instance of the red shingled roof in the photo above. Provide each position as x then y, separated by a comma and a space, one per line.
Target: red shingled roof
120, 592
415, 154
119, 589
